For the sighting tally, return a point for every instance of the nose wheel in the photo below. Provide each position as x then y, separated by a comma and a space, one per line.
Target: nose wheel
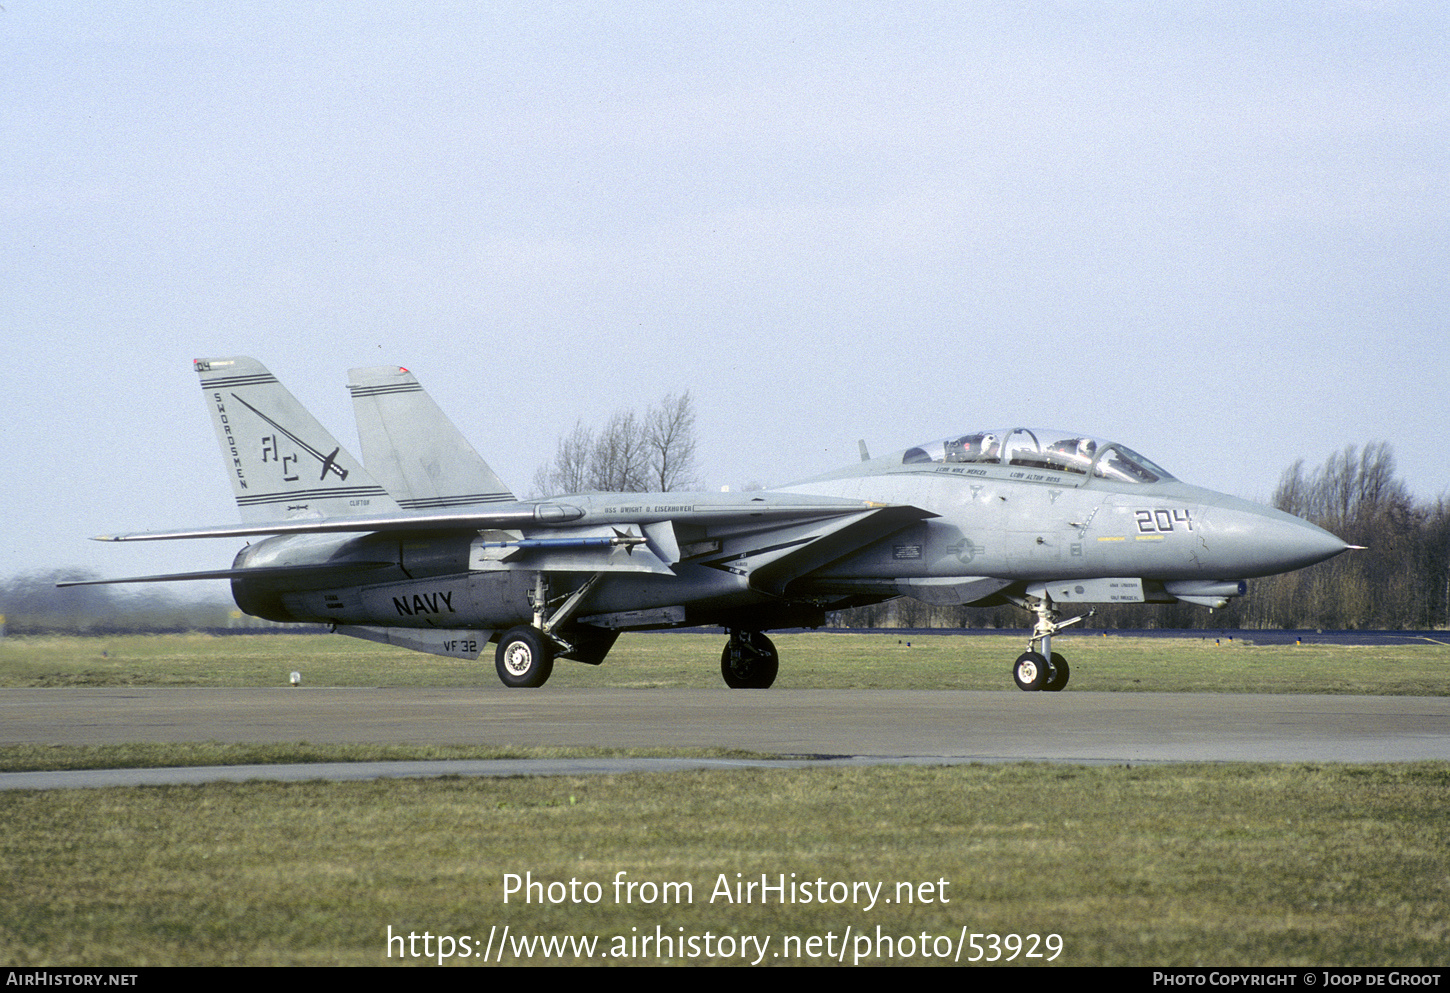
1033, 671
1059, 673
1040, 668
1030, 671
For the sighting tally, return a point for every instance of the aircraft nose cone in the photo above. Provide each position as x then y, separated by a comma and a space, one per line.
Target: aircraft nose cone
1292, 543
1261, 541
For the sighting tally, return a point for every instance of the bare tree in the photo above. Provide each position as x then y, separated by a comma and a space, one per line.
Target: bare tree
1351, 489
619, 461
631, 454
1357, 496
569, 472
671, 427
1292, 494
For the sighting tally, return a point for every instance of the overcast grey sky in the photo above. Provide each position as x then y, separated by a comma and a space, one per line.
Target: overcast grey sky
1215, 232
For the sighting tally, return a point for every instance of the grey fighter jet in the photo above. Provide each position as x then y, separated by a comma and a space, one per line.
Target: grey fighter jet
427, 549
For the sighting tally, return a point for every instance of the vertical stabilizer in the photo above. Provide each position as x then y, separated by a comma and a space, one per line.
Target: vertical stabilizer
281, 462
412, 447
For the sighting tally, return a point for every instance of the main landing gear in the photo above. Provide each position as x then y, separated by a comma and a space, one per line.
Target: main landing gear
1043, 669
525, 656
749, 661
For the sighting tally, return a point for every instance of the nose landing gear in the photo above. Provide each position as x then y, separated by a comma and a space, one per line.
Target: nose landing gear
1042, 669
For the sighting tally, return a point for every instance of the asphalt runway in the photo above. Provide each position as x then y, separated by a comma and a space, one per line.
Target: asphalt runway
857, 726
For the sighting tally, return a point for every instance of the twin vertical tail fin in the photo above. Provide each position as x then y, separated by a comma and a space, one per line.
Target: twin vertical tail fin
412, 447
282, 463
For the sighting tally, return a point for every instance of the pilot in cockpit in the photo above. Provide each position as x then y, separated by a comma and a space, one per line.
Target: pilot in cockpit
1074, 454
973, 448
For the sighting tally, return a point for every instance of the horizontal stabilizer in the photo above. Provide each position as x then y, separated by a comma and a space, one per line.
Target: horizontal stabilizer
301, 572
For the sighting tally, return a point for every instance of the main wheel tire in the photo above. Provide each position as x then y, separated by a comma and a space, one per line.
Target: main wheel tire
1057, 677
756, 666
1030, 671
525, 658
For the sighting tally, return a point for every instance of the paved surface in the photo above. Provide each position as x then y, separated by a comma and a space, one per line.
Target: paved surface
868, 725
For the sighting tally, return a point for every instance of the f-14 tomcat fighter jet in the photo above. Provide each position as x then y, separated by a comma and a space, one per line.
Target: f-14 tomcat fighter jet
427, 549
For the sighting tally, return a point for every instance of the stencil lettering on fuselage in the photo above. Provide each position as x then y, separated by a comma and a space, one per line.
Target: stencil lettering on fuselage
425, 603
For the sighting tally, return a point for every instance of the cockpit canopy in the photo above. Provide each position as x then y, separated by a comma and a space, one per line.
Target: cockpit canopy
1041, 448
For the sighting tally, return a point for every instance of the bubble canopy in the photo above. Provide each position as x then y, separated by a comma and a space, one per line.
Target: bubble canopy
1041, 448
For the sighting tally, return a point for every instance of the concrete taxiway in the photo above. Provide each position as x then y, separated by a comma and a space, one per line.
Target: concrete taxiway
821, 725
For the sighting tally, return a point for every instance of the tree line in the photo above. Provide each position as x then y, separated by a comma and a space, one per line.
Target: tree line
633, 453
1401, 577
31, 604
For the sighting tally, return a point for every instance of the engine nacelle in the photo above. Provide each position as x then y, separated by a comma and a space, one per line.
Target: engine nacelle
313, 577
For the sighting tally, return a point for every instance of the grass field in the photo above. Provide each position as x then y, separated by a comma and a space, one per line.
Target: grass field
1169, 865
821, 660
1181, 865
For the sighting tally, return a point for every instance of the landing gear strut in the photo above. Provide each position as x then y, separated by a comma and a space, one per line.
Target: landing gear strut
749, 661
1040, 668
525, 656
